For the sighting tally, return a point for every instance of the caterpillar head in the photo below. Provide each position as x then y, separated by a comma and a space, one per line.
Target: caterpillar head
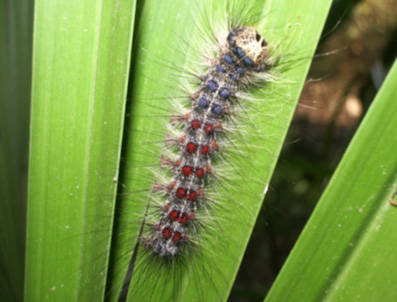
249, 46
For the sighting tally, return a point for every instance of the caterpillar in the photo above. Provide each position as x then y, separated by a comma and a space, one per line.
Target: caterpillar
244, 54
186, 211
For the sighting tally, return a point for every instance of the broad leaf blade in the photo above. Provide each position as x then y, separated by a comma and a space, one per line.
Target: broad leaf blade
80, 71
165, 46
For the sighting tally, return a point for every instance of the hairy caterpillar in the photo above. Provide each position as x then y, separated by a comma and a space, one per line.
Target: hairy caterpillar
244, 54
208, 271
182, 274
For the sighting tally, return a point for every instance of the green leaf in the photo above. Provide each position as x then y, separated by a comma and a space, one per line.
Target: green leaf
346, 251
81, 59
166, 37
80, 69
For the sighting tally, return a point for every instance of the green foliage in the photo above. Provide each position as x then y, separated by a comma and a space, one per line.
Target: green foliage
81, 66
270, 117
346, 252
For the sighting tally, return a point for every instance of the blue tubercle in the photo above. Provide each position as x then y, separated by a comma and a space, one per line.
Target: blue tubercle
228, 59
219, 68
212, 85
217, 109
239, 52
203, 103
248, 61
224, 93
233, 77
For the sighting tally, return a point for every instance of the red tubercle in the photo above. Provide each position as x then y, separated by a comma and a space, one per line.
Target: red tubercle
196, 95
184, 218
205, 150
192, 195
180, 193
182, 139
171, 186
163, 160
213, 145
177, 163
200, 172
209, 128
156, 187
186, 170
191, 148
195, 124
173, 215
166, 233
187, 116
177, 237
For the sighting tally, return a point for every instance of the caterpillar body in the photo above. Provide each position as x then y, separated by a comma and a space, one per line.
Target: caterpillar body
244, 53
